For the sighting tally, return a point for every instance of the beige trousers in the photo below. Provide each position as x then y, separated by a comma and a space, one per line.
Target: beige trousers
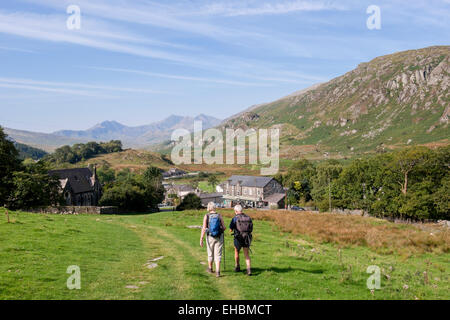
214, 248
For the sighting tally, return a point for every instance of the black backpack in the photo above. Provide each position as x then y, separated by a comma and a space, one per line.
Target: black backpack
244, 226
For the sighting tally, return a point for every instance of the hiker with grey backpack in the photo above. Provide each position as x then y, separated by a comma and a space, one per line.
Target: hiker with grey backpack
242, 227
213, 227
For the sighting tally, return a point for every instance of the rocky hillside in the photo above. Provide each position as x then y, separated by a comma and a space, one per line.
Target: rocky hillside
394, 100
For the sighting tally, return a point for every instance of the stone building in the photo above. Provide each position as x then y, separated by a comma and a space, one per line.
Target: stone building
252, 191
182, 190
79, 186
216, 197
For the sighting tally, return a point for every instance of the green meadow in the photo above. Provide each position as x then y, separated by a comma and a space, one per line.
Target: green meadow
114, 254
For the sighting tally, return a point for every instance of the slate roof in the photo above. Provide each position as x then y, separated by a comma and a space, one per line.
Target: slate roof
79, 178
183, 187
275, 198
250, 181
210, 195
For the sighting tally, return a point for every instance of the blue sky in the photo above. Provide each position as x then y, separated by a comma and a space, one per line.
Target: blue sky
140, 61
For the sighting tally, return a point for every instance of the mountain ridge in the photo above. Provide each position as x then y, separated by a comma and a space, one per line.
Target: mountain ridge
394, 100
136, 137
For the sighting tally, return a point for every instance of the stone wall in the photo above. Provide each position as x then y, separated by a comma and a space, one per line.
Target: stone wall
76, 210
351, 212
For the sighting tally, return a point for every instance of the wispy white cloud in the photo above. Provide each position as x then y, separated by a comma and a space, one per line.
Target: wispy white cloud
46, 89
101, 35
182, 77
69, 88
251, 8
98, 35
145, 13
16, 49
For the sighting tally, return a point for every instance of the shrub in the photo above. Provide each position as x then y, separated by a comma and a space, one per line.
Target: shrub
126, 197
190, 202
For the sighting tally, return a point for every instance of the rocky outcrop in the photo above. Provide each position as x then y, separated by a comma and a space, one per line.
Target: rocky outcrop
386, 100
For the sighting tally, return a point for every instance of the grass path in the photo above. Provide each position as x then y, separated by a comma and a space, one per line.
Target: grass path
113, 252
176, 269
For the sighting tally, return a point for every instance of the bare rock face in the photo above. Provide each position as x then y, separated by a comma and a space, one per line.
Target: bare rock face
385, 100
419, 77
243, 121
250, 116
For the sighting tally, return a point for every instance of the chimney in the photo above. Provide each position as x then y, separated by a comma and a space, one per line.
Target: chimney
93, 169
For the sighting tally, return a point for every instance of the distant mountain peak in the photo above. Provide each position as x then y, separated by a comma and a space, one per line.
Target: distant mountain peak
108, 124
138, 136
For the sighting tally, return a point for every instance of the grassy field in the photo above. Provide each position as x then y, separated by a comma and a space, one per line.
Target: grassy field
308, 260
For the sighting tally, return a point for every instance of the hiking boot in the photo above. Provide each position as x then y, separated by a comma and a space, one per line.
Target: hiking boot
217, 274
249, 272
237, 269
209, 270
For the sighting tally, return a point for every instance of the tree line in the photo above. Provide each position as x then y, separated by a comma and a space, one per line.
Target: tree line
412, 183
83, 151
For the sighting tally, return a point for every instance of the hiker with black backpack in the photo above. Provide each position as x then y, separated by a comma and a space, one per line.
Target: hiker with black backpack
213, 226
242, 227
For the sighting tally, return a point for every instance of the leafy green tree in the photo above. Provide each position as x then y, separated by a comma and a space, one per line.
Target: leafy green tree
153, 188
356, 186
324, 181
80, 152
213, 181
406, 162
190, 202
125, 175
130, 191
34, 187
152, 176
441, 199
126, 196
9, 162
106, 175
112, 146
418, 202
299, 180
